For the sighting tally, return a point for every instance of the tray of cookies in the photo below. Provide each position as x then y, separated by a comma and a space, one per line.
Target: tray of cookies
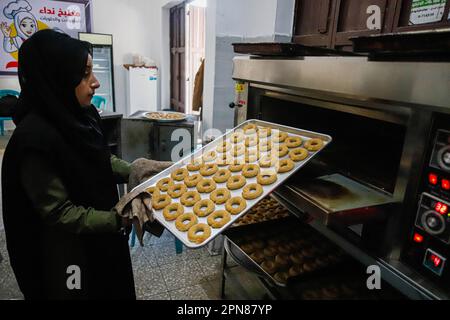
203, 194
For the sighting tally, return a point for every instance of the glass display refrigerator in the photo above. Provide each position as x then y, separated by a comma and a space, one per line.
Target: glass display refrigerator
103, 66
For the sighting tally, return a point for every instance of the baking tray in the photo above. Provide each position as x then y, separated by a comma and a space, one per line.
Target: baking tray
183, 118
286, 226
182, 236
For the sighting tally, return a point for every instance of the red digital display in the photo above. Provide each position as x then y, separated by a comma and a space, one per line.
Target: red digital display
446, 184
418, 238
441, 208
433, 179
435, 260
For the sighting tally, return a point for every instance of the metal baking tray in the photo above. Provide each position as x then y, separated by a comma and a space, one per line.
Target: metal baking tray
234, 237
183, 117
182, 236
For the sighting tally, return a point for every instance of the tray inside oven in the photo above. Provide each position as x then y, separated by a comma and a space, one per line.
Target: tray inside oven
281, 177
336, 198
290, 238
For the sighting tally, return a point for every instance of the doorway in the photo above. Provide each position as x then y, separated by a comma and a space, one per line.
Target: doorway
187, 47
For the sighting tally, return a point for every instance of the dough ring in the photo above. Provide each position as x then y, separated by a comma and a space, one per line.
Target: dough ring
294, 142
179, 174
285, 165
264, 132
210, 156
314, 144
224, 147
222, 176
193, 180
236, 167
269, 266
267, 161
237, 137
173, 211
298, 154
180, 222
252, 191
218, 219
161, 201
195, 165
250, 129
204, 208
238, 150
177, 190
282, 150
206, 186
220, 196
164, 184
266, 178
251, 141
199, 233
236, 182
250, 170
190, 198
153, 190
208, 170
280, 137
235, 205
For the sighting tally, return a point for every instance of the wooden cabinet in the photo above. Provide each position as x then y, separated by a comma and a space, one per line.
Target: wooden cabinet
331, 23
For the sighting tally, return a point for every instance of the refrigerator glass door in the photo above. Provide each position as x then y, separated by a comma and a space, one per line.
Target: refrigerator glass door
102, 60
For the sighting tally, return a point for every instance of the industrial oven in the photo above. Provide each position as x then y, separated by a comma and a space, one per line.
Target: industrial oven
381, 190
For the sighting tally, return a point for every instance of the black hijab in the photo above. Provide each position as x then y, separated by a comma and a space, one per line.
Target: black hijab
51, 65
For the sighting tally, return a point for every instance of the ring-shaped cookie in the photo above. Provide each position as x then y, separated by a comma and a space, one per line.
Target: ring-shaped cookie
177, 190
237, 137
164, 184
192, 181
238, 150
206, 186
236, 205
293, 142
236, 182
204, 208
224, 147
180, 222
179, 174
267, 178
264, 132
250, 170
252, 191
250, 129
218, 219
208, 170
220, 196
195, 165
209, 156
199, 233
298, 154
222, 176
236, 167
282, 150
173, 211
161, 201
251, 141
190, 198
314, 144
267, 161
279, 137
285, 165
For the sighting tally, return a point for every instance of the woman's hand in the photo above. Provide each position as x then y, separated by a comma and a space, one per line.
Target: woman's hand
5, 29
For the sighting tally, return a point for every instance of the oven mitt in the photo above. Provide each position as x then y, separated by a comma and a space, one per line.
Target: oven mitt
136, 206
143, 169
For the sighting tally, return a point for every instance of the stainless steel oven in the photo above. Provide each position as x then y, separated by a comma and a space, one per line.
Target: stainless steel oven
381, 191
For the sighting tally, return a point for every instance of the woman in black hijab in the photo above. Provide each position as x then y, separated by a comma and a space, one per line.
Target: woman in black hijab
63, 237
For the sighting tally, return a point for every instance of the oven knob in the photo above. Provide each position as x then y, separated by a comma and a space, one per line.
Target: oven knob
444, 158
433, 222
233, 105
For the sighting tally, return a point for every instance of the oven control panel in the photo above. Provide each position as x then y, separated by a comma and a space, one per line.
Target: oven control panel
429, 242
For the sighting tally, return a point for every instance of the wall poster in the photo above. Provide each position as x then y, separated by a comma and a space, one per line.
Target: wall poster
20, 19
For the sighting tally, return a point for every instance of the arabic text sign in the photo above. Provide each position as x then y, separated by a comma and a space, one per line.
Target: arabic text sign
19, 19
427, 11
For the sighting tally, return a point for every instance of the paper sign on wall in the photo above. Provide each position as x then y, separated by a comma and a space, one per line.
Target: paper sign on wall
20, 19
426, 11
